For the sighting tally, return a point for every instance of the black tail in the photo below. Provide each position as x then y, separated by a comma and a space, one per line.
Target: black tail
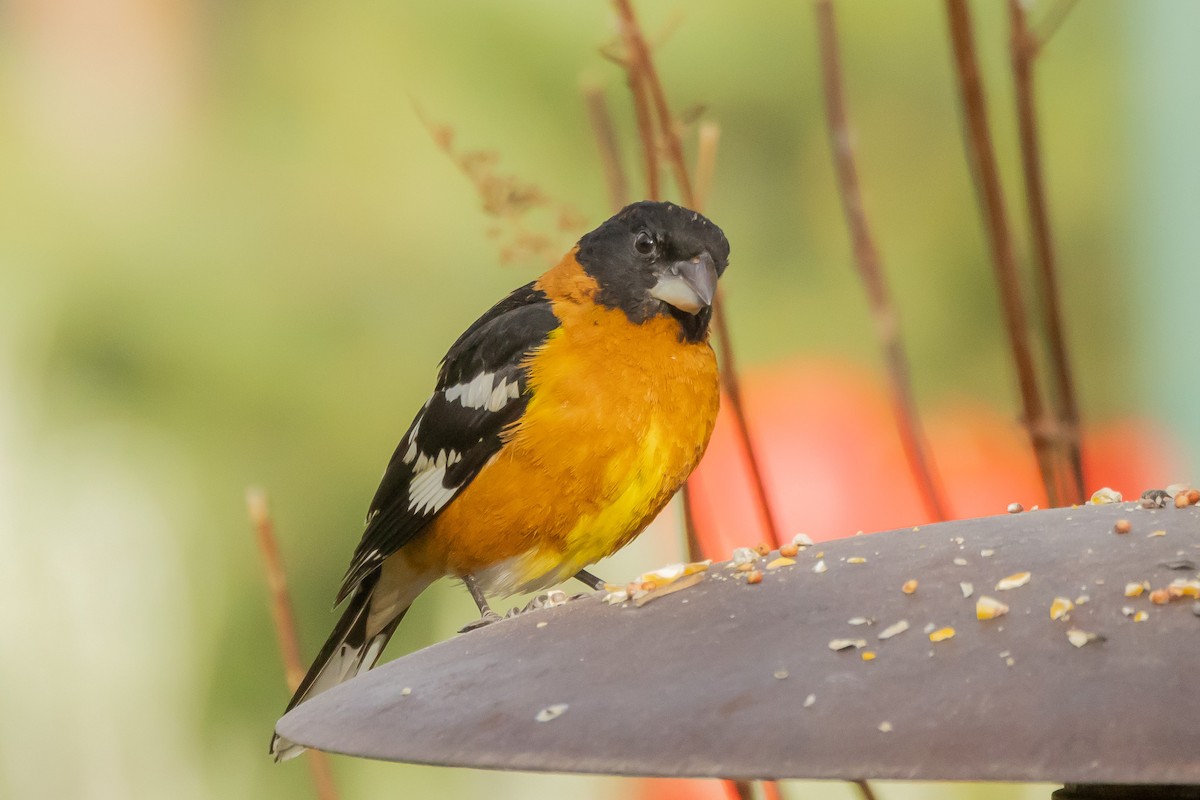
348, 651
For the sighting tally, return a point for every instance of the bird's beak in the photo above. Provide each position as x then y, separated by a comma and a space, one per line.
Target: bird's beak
688, 285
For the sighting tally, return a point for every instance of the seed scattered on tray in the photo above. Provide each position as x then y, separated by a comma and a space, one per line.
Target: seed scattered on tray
744, 555
989, 608
1184, 588
960, 562
1160, 597
1193, 496
1082, 599
1136, 589
762, 548
543, 624
754, 576
846, 644
1015, 508
1013, 581
1122, 526
858, 621
808, 701
894, 629
868, 655
987, 552
1155, 534
802, 540
1127, 610
942, 634
856, 560
780, 674
909, 586
885, 727
789, 551
968, 588
781, 562
406, 691
551, 712
1079, 637
1106, 495
1060, 607
819, 567
745, 567
1141, 616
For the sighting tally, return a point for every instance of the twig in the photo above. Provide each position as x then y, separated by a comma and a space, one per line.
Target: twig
864, 790
706, 162
739, 790
987, 180
1024, 52
1050, 24
639, 53
640, 61
606, 140
285, 624
887, 321
635, 73
695, 549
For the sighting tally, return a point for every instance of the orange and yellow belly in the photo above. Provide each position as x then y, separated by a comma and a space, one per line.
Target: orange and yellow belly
619, 416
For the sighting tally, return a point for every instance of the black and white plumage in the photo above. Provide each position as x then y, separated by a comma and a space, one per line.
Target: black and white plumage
482, 388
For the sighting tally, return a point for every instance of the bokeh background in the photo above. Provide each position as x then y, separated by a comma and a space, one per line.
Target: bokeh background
231, 253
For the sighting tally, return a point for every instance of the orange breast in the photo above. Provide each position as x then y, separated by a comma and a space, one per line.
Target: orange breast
619, 416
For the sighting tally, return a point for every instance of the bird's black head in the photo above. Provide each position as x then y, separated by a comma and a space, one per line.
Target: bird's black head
657, 258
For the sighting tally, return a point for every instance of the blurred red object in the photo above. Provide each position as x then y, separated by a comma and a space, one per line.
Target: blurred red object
834, 465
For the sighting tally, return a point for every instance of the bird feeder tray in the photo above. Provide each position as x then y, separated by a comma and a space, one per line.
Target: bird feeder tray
734, 679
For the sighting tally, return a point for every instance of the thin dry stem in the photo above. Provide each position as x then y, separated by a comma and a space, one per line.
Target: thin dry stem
864, 790
1066, 407
509, 200
1051, 23
706, 161
644, 65
606, 141
640, 61
978, 143
694, 548
285, 624
740, 790
870, 270
635, 74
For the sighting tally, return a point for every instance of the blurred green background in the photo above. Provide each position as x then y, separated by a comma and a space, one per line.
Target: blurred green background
232, 254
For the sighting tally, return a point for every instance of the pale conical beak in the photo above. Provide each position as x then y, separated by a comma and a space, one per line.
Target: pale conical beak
688, 285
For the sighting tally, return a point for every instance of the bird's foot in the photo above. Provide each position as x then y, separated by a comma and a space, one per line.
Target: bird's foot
486, 619
555, 597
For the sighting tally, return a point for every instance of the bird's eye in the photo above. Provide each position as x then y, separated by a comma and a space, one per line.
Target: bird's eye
643, 242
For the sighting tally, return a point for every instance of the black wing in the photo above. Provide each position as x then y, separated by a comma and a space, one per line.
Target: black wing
482, 388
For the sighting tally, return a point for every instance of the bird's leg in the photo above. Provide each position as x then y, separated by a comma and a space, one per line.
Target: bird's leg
486, 615
591, 580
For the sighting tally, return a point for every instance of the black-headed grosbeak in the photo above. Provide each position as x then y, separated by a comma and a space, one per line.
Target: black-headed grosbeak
563, 421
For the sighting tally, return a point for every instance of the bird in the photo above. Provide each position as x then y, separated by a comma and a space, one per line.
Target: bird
562, 422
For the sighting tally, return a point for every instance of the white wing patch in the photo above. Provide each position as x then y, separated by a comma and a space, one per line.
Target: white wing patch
426, 491
411, 453
483, 392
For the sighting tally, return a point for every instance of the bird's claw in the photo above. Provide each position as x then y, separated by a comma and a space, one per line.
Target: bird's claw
549, 599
